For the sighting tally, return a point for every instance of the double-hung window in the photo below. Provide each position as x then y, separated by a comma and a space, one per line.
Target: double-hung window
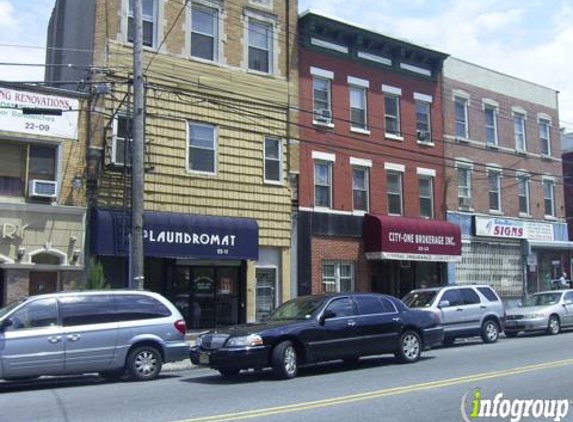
394, 190
392, 114
360, 188
549, 197
321, 89
464, 186
149, 20
323, 184
494, 189
122, 141
260, 46
544, 137
490, 116
273, 168
423, 130
338, 276
204, 32
202, 148
426, 196
358, 107
523, 193
461, 117
519, 129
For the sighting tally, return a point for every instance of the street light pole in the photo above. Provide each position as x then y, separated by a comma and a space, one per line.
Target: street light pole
137, 172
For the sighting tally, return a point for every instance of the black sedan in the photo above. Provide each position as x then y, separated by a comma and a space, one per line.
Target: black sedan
319, 328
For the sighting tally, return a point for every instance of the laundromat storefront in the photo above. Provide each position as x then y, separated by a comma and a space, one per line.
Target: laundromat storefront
408, 253
199, 262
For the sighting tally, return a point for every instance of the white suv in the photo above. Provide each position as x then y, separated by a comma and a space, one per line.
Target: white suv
465, 310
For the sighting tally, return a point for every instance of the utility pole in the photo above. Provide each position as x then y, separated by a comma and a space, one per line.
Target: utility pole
137, 172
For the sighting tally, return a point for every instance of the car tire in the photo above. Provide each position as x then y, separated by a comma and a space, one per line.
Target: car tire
114, 375
511, 334
489, 331
284, 360
409, 347
554, 325
144, 363
229, 372
449, 341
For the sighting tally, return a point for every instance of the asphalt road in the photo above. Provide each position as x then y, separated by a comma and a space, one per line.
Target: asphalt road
375, 389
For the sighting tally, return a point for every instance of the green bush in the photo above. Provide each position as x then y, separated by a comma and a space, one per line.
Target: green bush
96, 276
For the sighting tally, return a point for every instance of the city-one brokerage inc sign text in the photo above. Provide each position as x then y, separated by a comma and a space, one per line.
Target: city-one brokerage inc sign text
423, 242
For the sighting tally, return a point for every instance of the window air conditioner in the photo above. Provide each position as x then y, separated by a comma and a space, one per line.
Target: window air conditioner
44, 188
423, 135
464, 202
323, 115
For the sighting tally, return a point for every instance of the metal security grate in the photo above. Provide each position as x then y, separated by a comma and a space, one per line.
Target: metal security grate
496, 264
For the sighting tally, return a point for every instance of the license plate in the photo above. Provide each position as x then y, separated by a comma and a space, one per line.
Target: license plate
204, 358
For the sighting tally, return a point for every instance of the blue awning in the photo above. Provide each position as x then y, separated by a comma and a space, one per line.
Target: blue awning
176, 235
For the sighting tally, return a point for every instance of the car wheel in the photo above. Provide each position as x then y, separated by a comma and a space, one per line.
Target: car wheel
489, 331
511, 334
144, 363
115, 375
448, 341
409, 347
284, 360
554, 325
229, 372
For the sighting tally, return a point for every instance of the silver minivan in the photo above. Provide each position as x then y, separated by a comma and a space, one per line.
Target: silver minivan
111, 332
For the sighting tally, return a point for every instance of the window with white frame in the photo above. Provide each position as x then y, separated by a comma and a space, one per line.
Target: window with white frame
519, 129
490, 116
461, 117
149, 21
273, 170
260, 46
494, 189
338, 276
392, 114
204, 32
426, 196
523, 193
202, 148
122, 140
423, 127
323, 184
322, 99
544, 137
549, 197
360, 188
394, 190
464, 186
358, 107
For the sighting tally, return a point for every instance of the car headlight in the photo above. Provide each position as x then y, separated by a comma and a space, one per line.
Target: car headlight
199, 341
245, 341
535, 316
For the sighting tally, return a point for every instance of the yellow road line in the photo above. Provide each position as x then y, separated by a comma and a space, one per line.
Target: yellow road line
298, 407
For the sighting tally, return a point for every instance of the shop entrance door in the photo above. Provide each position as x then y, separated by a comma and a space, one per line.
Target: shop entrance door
43, 282
207, 296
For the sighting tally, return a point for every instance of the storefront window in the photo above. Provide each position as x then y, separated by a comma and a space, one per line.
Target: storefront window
266, 292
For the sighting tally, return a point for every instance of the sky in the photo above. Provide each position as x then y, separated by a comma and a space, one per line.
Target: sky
529, 39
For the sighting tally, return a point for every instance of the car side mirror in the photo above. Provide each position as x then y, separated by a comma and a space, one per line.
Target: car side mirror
328, 314
5, 324
444, 304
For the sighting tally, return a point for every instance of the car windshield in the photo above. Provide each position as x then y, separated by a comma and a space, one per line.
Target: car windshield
420, 298
299, 308
543, 299
6, 309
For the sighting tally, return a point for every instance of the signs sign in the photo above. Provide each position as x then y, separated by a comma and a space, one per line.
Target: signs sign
13, 120
513, 229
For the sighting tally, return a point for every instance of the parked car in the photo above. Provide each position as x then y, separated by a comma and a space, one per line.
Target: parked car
545, 311
465, 311
318, 328
111, 332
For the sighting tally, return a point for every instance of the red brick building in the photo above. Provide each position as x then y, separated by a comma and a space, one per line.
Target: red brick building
370, 115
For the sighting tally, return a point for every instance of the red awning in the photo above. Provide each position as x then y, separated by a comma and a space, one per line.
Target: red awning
411, 239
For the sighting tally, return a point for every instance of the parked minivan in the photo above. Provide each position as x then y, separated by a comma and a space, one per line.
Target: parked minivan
464, 310
110, 332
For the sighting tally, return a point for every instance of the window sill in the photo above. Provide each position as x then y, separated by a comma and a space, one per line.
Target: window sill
550, 217
394, 137
205, 61
524, 215
495, 212
259, 73
13, 199
466, 209
359, 213
462, 140
492, 146
521, 152
426, 144
273, 183
546, 157
200, 173
361, 131
324, 124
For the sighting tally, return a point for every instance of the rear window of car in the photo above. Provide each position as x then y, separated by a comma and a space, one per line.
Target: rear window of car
488, 293
133, 307
87, 309
420, 298
368, 305
469, 297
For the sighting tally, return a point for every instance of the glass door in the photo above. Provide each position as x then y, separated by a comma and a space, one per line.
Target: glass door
266, 292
